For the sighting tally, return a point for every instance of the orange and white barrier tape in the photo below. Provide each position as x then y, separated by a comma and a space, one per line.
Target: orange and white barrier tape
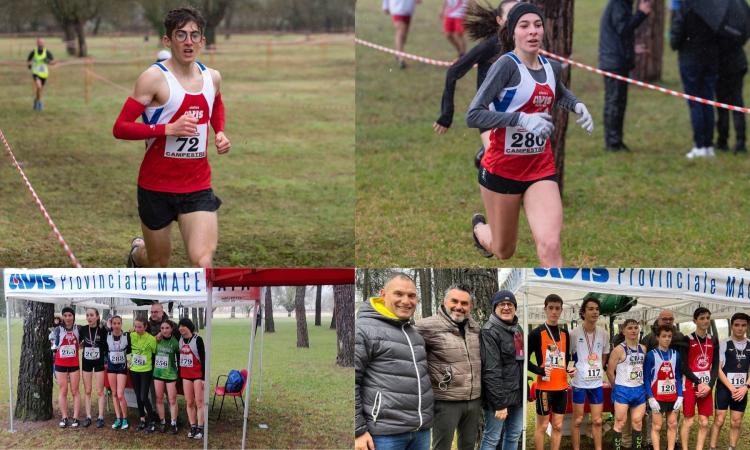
55, 230
653, 87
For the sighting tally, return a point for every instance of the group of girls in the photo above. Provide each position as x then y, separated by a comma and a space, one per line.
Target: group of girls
176, 352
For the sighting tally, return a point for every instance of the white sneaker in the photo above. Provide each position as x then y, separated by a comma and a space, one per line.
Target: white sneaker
710, 152
696, 152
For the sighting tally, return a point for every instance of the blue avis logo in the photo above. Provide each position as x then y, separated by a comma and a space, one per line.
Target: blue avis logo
597, 275
31, 281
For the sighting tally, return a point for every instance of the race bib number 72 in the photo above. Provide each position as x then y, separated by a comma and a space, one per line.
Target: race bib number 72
187, 147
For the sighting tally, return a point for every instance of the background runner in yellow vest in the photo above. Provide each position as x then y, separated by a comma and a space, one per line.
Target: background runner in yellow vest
38, 61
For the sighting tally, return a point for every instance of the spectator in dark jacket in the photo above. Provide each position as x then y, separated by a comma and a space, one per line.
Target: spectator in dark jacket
617, 55
698, 55
503, 355
393, 403
732, 70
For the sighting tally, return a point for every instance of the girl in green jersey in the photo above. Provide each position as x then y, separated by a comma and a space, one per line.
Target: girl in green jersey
165, 374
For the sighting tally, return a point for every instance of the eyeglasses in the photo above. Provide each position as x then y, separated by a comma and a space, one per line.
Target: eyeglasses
504, 305
182, 35
447, 377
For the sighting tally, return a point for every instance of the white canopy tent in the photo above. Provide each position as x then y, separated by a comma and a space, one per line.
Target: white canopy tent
723, 291
209, 288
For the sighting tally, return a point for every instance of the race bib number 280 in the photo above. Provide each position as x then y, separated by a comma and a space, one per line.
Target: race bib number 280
187, 147
519, 141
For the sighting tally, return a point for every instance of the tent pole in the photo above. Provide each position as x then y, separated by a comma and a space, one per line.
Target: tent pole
526, 352
207, 382
10, 366
249, 374
260, 357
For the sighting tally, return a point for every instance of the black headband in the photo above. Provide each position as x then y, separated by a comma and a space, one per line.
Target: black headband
518, 11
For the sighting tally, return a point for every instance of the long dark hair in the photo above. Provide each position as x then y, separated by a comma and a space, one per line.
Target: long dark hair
480, 20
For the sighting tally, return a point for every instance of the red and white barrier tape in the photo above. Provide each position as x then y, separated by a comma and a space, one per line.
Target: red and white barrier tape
106, 80
436, 62
38, 202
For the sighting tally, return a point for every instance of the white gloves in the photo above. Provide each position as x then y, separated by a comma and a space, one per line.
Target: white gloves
585, 119
540, 124
678, 404
652, 401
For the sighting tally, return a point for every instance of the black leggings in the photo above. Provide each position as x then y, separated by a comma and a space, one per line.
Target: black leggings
141, 386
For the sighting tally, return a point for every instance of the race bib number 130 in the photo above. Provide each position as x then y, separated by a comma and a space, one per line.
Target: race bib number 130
187, 147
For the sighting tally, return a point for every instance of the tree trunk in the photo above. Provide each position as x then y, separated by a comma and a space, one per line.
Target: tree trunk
70, 38
649, 45
269, 312
231, 315
140, 314
344, 303
34, 400
81, 34
558, 39
333, 316
194, 313
425, 286
299, 310
317, 305
201, 318
366, 288
213, 11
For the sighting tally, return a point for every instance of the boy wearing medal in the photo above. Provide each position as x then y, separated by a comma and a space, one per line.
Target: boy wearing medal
663, 387
625, 368
731, 391
590, 347
549, 345
700, 366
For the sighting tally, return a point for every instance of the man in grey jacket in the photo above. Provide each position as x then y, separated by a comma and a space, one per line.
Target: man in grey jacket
455, 365
393, 403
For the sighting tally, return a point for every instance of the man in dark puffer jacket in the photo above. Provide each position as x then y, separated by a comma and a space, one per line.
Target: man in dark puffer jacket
502, 355
393, 403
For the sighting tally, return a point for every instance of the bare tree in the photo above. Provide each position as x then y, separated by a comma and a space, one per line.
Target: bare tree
649, 44
270, 328
302, 337
425, 285
213, 11
73, 15
344, 305
558, 39
317, 304
34, 400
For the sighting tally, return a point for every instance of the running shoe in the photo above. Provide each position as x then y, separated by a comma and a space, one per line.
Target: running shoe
41, 106
63, 423
198, 433
710, 153
99, 422
696, 152
477, 219
75, 423
151, 428
124, 424
162, 426
141, 426
117, 424
130, 262
87, 422
193, 430
174, 429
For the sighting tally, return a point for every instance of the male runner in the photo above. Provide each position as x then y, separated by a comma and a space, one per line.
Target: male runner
625, 369
700, 366
37, 63
590, 348
731, 391
550, 347
663, 387
453, 23
177, 100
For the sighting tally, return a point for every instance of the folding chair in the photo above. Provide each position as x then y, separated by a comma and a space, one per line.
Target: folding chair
219, 390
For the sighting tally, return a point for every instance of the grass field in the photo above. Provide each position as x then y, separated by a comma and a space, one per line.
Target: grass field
287, 185
416, 191
306, 401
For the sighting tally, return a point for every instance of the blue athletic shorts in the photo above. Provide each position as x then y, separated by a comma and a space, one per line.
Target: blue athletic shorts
595, 396
631, 396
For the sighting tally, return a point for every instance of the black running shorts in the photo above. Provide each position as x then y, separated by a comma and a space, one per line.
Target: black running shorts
159, 209
502, 185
